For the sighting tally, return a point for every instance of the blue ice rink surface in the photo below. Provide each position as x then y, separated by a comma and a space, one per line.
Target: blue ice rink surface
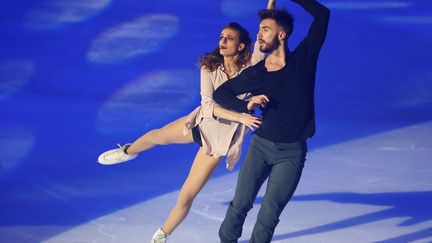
77, 77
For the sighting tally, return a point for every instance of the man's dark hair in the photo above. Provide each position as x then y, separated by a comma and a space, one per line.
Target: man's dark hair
281, 16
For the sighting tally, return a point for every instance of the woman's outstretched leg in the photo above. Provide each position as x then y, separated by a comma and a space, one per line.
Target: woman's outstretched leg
202, 167
169, 134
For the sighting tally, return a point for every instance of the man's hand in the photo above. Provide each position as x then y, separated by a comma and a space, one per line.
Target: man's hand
257, 101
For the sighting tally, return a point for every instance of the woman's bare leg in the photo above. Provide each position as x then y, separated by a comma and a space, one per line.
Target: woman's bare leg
169, 134
202, 167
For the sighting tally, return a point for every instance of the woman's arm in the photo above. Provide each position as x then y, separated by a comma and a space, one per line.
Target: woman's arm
271, 4
207, 88
248, 120
257, 55
211, 109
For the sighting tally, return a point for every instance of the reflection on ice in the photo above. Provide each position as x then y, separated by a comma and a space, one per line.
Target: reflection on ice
13, 75
52, 13
241, 8
15, 143
147, 100
367, 4
408, 19
137, 37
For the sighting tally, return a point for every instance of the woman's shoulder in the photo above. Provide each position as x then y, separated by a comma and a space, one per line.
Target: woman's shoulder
216, 77
206, 72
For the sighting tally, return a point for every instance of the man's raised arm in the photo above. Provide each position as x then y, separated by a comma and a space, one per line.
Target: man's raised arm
318, 29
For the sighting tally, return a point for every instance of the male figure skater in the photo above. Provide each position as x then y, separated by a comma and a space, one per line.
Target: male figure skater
278, 148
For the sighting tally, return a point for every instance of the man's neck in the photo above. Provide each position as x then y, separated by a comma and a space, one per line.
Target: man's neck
276, 60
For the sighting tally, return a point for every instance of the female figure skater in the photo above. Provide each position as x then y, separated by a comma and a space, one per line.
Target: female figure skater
218, 131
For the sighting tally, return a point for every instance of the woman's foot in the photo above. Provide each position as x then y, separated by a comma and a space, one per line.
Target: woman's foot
115, 156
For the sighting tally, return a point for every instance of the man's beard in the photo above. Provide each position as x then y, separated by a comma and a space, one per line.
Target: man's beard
274, 44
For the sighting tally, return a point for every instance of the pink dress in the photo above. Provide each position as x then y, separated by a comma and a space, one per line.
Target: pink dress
219, 137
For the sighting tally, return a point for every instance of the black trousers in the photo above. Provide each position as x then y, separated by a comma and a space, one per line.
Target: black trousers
282, 164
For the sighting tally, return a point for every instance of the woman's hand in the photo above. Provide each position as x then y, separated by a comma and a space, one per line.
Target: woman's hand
257, 101
271, 4
250, 121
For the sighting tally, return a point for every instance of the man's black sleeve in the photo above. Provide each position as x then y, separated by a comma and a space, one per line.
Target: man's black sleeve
226, 94
318, 29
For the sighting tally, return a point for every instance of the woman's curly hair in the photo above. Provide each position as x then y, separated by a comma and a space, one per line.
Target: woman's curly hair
212, 60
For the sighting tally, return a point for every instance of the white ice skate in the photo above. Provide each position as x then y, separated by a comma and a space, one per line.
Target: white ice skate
159, 236
115, 156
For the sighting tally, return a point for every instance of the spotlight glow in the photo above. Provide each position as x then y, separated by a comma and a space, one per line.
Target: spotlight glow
241, 8
143, 35
13, 76
348, 5
52, 13
15, 143
155, 97
407, 19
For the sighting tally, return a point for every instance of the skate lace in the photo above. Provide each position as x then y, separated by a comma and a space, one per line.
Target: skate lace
121, 147
115, 154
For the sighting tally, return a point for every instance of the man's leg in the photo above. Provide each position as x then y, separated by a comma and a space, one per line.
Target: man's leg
253, 173
283, 180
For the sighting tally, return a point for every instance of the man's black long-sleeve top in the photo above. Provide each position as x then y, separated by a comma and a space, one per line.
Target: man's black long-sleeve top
289, 116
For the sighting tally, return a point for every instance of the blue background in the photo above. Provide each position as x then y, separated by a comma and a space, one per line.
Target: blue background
76, 77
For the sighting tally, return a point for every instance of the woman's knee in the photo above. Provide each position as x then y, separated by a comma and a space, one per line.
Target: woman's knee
156, 137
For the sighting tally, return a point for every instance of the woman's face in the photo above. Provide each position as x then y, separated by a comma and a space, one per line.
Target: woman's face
229, 43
